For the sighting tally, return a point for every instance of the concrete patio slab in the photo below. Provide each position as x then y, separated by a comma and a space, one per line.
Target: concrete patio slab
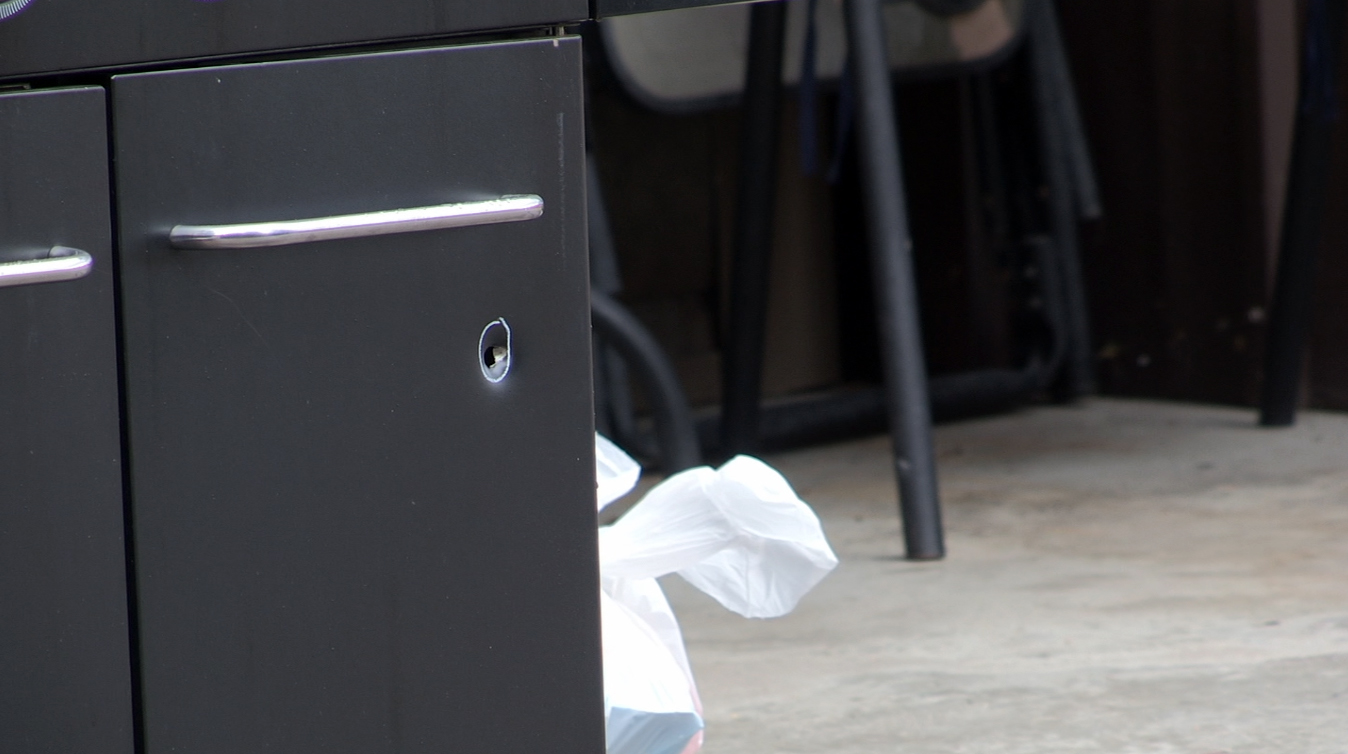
1123, 576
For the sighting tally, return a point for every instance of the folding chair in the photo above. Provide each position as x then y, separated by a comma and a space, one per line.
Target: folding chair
694, 59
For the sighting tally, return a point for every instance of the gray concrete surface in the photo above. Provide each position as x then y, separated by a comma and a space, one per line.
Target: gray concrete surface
1123, 577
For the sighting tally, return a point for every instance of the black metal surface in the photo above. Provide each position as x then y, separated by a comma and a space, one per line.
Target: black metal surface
895, 288
348, 539
63, 35
63, 613
673, 418
742, 355
1293, 296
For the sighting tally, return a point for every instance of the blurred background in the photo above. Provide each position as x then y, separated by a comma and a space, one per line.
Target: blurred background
1188, 108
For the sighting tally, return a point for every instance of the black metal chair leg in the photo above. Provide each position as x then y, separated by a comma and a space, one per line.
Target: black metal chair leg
1292, 310
1086, 189
622, 415
673, 417
1079, 370
742, 356
896, 290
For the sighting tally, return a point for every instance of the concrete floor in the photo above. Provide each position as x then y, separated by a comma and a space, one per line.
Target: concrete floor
1122, 577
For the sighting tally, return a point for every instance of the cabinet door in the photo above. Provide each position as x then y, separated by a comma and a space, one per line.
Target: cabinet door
62, 35
349, 537
65, 674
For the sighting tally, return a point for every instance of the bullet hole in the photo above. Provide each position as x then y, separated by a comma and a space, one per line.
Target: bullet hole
493, 350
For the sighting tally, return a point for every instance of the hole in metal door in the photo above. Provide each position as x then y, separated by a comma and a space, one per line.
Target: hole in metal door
493, 350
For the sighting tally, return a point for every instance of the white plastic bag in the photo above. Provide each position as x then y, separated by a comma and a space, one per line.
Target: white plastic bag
738, 533
650, 705
615, 472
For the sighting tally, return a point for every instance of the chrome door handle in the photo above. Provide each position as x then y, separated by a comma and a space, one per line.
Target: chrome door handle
61, 263
507, 209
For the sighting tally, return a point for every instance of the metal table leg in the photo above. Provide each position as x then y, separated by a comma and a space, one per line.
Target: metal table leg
1291, 313
895, 288
742, 357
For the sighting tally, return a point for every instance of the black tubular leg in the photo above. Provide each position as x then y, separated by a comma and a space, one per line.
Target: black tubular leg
673, 417
742, 357
895, 287
1079, 369
1307, 180
622, 415
1074, 132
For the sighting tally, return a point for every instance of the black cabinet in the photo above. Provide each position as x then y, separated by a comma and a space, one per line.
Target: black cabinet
39, 36
65, 674
358, 469
349, 536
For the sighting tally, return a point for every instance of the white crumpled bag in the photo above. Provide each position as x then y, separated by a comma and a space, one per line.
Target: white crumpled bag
738, 533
